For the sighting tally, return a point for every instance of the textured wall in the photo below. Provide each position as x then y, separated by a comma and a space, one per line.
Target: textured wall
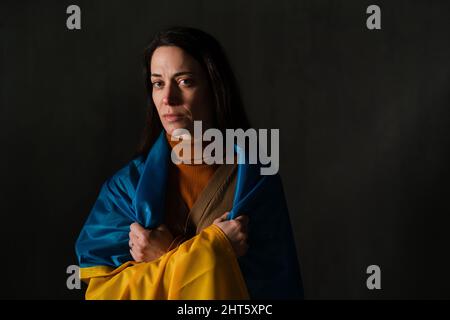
363, 118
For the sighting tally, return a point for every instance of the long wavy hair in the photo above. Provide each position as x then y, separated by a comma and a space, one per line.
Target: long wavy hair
228, 110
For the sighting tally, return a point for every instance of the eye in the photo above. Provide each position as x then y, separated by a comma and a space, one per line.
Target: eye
157, 84
186, 82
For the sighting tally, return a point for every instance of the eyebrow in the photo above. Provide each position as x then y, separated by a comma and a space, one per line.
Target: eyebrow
182, 73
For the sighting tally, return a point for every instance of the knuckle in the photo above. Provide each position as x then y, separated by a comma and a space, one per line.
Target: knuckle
141, 242
137, 246
139, 255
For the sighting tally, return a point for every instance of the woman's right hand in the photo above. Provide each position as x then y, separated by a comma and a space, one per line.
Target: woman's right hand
236, 231
147, 245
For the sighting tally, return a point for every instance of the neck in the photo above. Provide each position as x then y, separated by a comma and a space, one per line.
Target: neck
196, 147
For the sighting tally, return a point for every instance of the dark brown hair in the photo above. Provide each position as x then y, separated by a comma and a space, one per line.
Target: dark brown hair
228, 108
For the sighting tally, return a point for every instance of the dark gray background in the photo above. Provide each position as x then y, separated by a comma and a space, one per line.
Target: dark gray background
363, 118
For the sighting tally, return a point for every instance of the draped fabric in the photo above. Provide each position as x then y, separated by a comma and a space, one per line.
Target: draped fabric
136, 193
204, 267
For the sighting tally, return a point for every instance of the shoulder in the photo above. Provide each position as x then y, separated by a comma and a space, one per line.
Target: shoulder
126, 178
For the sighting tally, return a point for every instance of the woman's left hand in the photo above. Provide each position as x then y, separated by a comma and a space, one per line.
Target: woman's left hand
147, 245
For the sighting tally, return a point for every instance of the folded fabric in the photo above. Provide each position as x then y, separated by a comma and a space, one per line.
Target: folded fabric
136, 193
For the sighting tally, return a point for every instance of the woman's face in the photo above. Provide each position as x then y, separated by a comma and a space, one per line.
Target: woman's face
180, 90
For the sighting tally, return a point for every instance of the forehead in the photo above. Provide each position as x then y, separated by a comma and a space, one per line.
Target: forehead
171, 59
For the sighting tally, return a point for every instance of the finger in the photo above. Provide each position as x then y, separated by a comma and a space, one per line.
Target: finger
133, 229
162, 228
130, 243
243, 219
132, 255
222, 217
138, 230
137, 242
225, 216
137, 255
133, 237
241, 237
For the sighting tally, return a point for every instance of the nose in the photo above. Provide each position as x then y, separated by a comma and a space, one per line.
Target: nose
171, 95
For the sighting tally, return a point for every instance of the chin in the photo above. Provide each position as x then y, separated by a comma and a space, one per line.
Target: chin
171, 127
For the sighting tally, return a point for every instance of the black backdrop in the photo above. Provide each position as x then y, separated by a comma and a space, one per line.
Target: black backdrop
363, 118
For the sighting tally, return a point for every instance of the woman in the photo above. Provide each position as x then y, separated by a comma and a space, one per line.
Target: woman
161, 230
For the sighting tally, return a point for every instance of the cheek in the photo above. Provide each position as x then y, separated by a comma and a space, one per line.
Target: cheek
205, 106
199, 102
156, 100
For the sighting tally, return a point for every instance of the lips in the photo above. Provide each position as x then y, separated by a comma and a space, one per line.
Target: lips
173, 117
